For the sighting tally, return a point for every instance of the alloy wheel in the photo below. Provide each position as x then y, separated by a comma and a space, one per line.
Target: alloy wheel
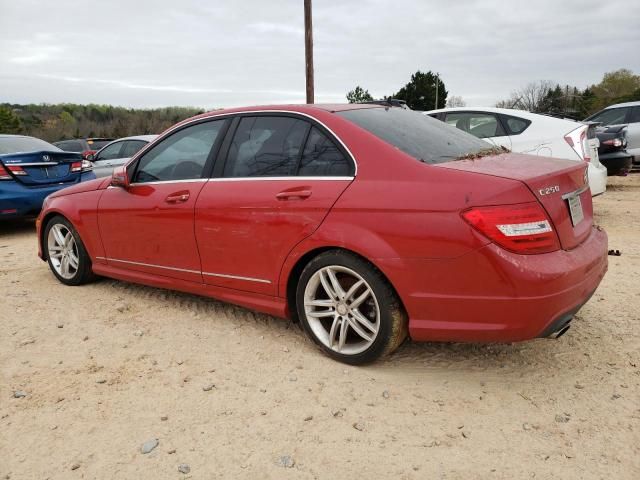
63, 251
342, 309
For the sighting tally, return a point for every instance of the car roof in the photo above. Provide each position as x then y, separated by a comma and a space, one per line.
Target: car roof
505, 111
625, 104
300, 108
8, 135
146, 138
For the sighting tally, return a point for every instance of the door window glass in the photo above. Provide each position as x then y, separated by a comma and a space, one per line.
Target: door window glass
481, 125
110, 152
265, 147
131, 147
321, 157
611, 116
181, 156
635, 115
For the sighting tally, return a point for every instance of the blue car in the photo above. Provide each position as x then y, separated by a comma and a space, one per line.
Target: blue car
31, 169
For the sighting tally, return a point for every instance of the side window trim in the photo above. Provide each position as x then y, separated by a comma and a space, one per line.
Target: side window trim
222, 155
209, 163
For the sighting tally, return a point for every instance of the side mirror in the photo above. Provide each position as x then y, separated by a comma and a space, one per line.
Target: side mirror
91, 157
119, 177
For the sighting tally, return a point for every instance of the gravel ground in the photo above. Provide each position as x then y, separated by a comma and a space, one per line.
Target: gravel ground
109, 370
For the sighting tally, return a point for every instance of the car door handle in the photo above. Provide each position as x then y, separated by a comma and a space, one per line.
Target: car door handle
293, 194
178, 197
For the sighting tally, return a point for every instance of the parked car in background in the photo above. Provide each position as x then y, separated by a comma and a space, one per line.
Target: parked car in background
613, 149
31, 169
85, 146
117, 153
363, 222
623, 114
526, 132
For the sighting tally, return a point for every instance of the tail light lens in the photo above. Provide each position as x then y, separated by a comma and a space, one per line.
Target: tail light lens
522, 228
83, 166
613, 142
15, 169
4, 175
578, 141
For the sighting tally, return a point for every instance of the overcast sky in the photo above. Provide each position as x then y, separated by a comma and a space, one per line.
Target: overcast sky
212, 53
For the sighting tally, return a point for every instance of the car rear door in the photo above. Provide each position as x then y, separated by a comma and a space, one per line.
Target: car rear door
275, 180
484, 125
149, 227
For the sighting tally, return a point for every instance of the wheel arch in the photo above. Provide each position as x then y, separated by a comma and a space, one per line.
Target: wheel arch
43, 230
303, 261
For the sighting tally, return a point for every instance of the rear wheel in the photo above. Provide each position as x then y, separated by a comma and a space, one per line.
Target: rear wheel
349, 309
66, 255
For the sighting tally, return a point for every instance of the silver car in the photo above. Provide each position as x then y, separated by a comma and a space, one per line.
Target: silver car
623, 114
118, 153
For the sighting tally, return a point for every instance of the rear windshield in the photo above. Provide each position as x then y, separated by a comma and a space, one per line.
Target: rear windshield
24, 144
425, 138
97, 144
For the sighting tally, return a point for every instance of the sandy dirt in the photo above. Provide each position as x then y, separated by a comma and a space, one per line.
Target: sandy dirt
109, 366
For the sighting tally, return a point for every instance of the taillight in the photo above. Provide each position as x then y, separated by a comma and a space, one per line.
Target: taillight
82, 166
521, 228
4, 175
16, 170
613, 142
578, 141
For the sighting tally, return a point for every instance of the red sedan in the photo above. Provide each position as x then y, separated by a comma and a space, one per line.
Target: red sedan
363, 222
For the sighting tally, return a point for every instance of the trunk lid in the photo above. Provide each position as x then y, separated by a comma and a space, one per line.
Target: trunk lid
559, 185
42, 167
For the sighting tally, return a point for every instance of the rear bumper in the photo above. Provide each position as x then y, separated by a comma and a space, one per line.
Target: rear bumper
491, 295
17, 200
597, 178
617, 163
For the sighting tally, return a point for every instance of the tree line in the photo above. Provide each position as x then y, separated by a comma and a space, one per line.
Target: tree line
543, 96
68, 120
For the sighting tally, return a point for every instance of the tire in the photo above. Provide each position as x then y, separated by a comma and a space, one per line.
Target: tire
356, 321
64, 247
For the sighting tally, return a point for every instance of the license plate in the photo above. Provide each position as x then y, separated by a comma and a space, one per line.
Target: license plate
575, 209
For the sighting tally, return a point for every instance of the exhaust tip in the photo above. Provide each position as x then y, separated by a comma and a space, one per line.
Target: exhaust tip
560, 332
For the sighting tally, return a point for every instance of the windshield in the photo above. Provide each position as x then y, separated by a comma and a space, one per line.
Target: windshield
97, 144
24, 144
425, 138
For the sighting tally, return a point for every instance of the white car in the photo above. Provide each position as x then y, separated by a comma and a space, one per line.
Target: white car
525, 132
118, 153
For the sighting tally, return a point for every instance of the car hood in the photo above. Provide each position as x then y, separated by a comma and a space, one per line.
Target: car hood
88, 186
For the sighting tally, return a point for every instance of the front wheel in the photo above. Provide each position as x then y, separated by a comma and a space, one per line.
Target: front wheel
66, 255
349, 309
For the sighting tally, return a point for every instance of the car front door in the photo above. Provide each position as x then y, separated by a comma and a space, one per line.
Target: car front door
148, 227
483, 125
275, 181
107, 159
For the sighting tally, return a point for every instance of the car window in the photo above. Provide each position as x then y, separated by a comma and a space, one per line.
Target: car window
424, 138
71, 146
181, 156
611, 116
516, 125
265, 147
321, 157
635, 115
481, 125
19, 144
131, 147
110, 152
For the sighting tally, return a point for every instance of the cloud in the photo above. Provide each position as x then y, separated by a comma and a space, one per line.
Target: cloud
213, 54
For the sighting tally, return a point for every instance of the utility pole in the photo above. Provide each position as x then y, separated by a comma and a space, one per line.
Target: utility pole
437, 82
308, 49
